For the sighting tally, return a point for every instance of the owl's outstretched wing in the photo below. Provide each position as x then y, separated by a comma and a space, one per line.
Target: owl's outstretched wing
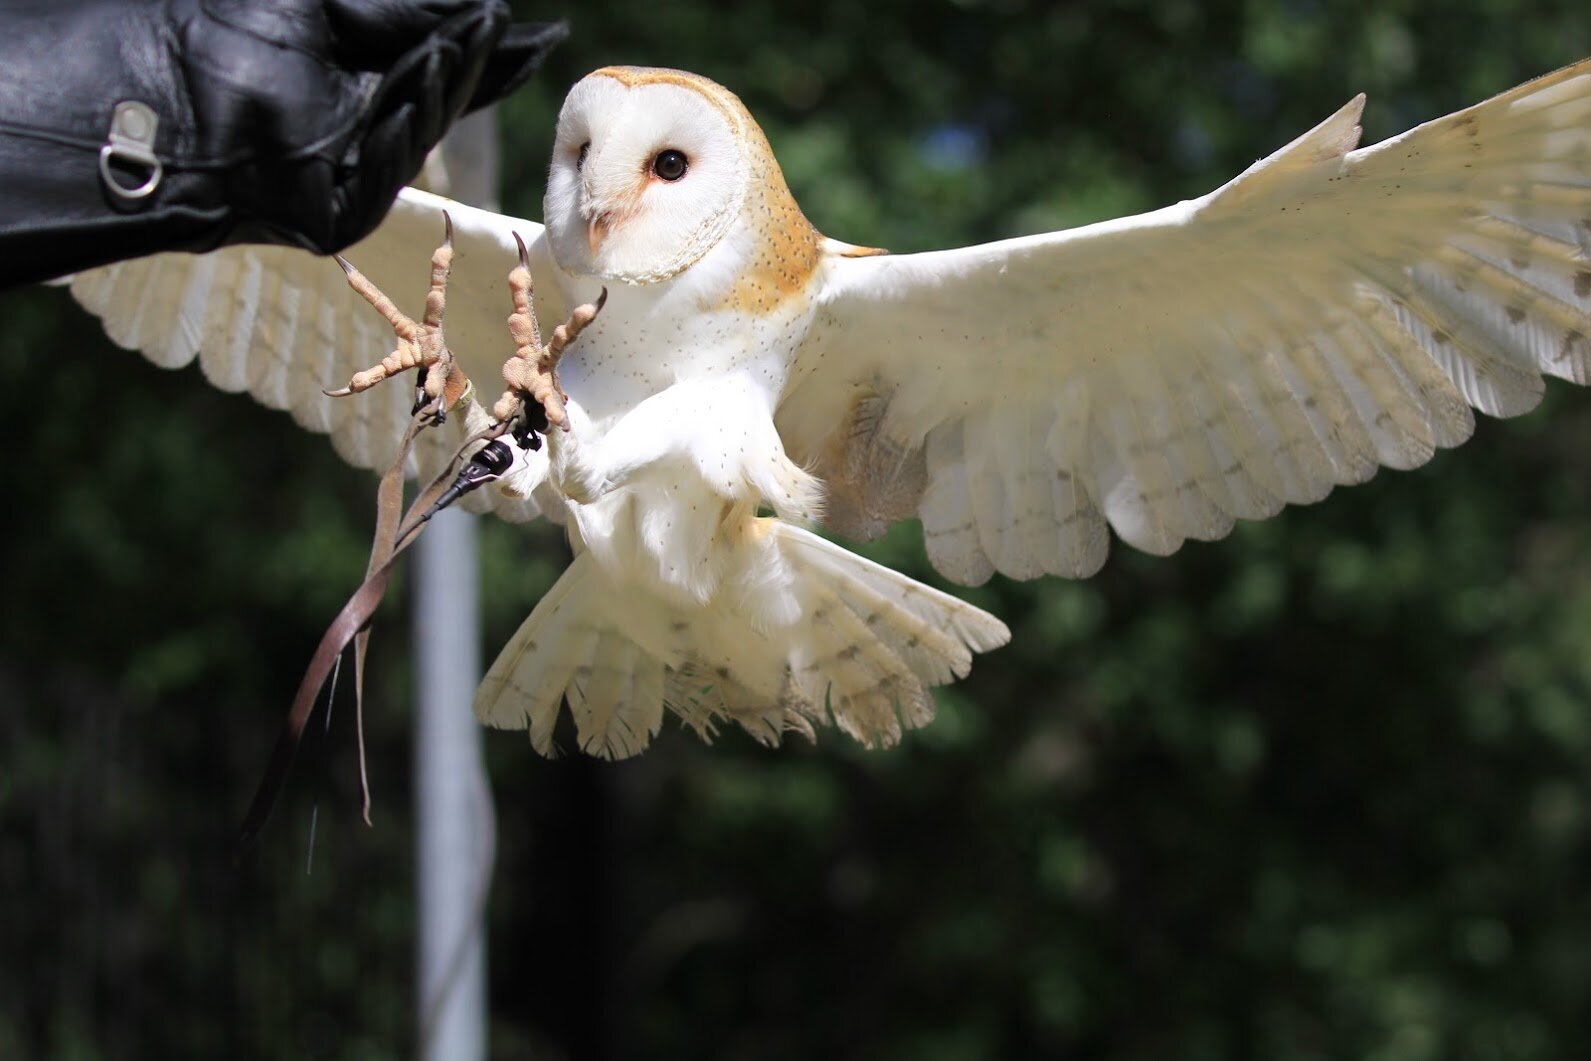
283, 324
1329, 311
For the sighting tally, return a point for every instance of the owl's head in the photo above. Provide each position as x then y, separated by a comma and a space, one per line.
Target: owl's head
649, 172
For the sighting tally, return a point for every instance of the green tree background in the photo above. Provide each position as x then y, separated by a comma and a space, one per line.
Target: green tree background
1321, 790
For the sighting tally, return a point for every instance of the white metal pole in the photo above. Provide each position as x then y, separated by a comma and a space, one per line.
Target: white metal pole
453, 810
454, 822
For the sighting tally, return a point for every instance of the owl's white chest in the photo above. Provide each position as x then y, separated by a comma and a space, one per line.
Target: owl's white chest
645, 342
672, 444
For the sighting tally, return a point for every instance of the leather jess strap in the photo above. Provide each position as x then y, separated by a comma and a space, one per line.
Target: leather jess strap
352, 623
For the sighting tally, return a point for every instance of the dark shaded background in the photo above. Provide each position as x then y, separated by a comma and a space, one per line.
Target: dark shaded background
1318, 791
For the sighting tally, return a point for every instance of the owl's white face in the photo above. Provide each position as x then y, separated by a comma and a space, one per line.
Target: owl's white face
648, 172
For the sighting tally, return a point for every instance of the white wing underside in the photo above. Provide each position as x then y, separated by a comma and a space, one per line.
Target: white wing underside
1329, 311
283, 324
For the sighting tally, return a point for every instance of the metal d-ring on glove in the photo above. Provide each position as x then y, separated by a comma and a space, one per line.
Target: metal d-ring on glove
132, 143
130, 127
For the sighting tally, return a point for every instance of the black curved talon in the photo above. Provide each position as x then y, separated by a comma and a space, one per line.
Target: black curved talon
421, 400
530, 426
526, 436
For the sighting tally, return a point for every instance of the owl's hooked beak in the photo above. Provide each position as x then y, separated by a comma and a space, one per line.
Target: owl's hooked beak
606, 210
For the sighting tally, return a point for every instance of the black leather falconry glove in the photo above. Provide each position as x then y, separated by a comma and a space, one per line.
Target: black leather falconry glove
132, 127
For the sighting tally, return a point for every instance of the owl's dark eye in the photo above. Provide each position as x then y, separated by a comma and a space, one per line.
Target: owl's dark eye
669, 164
584, 148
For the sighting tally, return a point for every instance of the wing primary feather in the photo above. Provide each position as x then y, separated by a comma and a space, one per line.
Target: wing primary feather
1083, 540
950, 528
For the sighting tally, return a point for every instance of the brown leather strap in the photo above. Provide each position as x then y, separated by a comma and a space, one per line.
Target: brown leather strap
392, 536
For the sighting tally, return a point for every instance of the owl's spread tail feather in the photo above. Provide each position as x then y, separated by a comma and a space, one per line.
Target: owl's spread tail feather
861, 653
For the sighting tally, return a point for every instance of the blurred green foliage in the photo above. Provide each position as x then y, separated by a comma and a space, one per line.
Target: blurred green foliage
1321, 790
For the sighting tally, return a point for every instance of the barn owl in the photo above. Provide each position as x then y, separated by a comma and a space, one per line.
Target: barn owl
1330, 310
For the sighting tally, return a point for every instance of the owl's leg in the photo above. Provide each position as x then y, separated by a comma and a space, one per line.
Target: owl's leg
532, 373
421, 345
